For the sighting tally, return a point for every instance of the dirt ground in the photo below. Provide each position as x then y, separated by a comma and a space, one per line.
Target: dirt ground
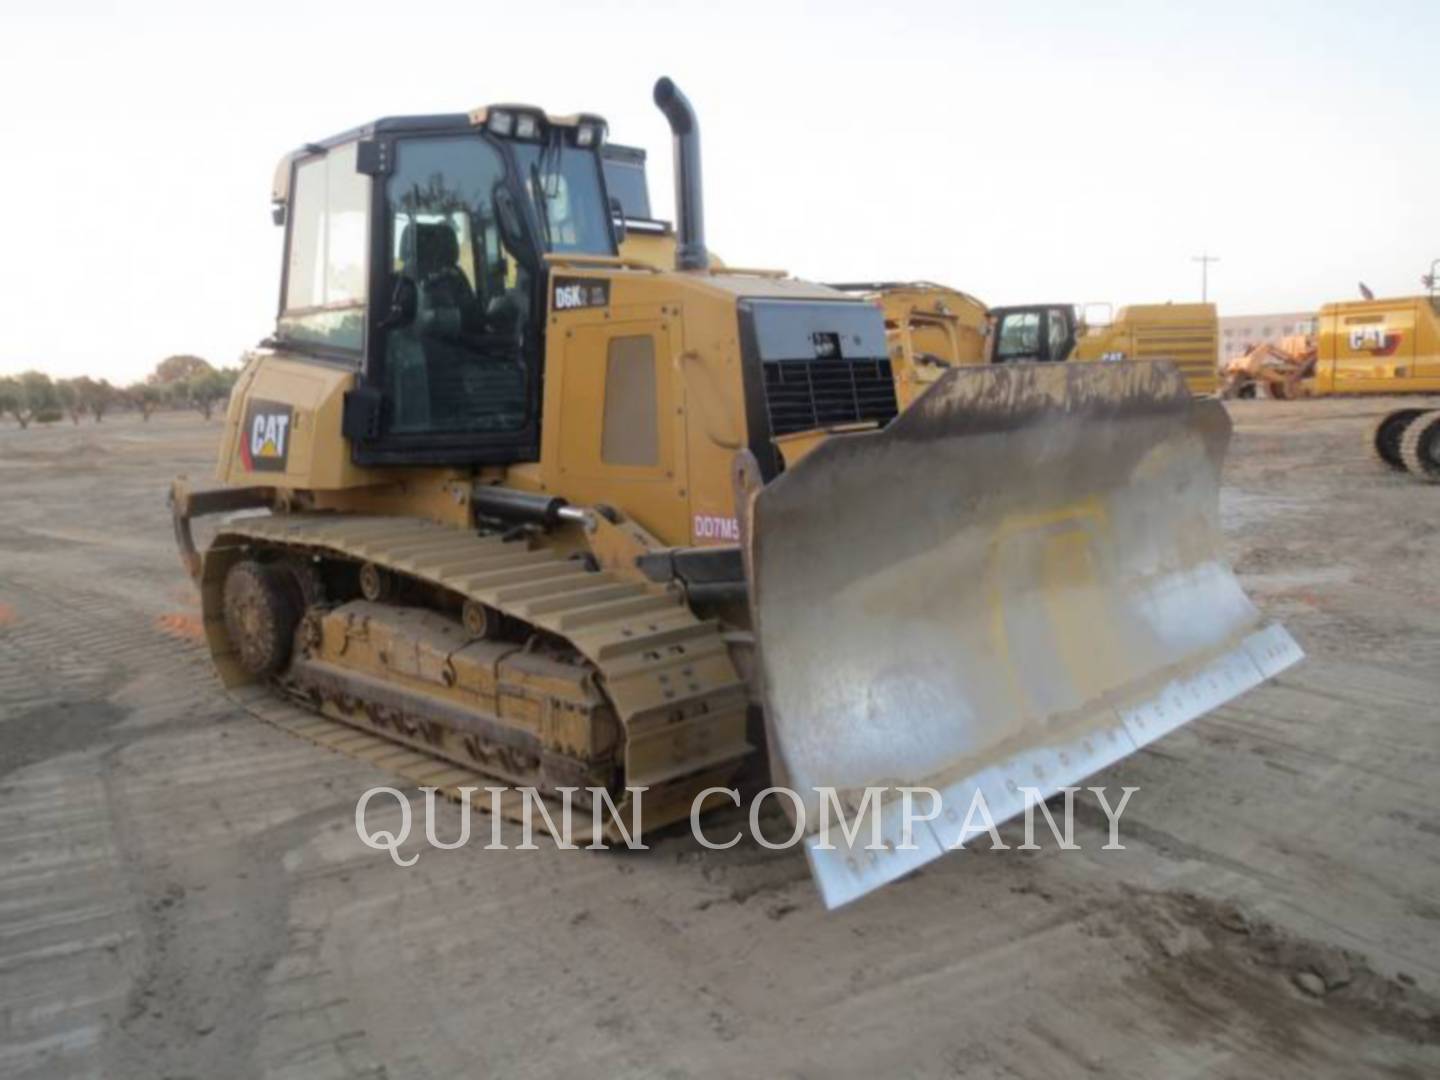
182, 893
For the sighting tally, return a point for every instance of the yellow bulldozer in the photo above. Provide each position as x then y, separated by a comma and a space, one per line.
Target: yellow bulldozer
522, 509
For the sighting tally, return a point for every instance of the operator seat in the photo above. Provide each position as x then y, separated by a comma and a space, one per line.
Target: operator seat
421, 357
446, 300
455, 368
445, 317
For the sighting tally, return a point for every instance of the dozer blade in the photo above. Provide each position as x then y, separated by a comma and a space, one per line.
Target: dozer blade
1017, 583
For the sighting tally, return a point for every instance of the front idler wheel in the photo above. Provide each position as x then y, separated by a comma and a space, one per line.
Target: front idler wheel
261, 610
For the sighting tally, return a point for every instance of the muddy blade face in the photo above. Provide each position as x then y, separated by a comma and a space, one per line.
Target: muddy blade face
1017, 583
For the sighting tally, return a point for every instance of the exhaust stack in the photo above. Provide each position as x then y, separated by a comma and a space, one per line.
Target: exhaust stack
690, 253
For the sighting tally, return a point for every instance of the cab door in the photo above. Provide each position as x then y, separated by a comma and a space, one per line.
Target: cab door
1059, 333
452, 367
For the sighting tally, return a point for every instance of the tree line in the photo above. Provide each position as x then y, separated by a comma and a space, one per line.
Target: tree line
178, 382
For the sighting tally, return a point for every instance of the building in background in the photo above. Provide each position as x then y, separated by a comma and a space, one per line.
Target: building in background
1238, 333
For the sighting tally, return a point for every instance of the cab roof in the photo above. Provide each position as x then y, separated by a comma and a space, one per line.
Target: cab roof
280, 188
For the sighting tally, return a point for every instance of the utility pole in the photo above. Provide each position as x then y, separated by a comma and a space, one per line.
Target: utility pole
1205, 260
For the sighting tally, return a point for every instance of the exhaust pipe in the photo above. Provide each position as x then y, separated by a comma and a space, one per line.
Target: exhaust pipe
690, 253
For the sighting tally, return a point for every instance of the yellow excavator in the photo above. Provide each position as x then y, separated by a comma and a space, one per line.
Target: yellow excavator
1372, 346
1186, 335
1384, 346
931, 328
935, 327
501, 505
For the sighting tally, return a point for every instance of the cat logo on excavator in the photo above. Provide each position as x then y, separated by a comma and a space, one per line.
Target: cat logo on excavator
1375, 340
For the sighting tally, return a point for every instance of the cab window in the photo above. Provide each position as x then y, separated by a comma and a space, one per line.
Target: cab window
455, 358
625, 181
326, 263
569, 197
1019, 336
1057, 334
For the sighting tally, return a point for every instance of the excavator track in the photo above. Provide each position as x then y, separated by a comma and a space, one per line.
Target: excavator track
627, 687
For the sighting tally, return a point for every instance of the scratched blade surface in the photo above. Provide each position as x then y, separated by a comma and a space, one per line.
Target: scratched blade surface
997, 587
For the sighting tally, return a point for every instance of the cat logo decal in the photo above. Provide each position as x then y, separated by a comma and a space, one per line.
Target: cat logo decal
265, 438
1375, 340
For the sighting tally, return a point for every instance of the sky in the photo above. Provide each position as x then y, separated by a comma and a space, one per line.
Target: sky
1021, 152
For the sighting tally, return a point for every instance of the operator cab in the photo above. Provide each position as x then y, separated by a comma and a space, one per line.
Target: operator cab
415, 252
1036, 333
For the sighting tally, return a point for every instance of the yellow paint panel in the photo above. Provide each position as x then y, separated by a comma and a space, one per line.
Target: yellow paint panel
318, 457
1379, 346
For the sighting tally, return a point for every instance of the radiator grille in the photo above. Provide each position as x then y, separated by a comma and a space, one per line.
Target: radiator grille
805, 394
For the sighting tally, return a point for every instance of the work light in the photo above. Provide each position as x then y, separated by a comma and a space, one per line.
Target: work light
501, 122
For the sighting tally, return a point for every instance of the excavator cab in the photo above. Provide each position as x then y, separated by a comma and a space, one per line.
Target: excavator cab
1033, 333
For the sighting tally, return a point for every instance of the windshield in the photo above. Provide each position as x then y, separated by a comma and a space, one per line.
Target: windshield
1019, 336
573, 211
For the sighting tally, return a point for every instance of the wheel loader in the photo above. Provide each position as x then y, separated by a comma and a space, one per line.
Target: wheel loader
511, 507
1271, 369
